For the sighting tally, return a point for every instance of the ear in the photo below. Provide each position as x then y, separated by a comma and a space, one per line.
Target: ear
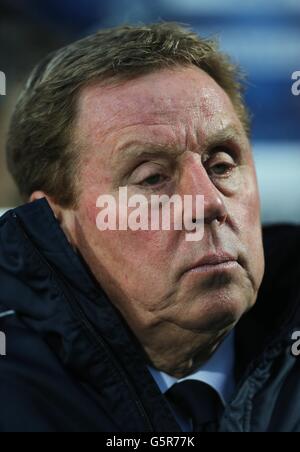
65, 217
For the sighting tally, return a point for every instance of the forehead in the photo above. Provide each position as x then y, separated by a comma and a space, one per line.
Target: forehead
164, 103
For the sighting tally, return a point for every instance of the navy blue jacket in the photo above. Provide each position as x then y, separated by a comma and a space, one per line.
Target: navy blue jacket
72, 365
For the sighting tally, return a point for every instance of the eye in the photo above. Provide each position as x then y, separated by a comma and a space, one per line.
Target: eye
221, 164
149, 174
156, 179
221, 169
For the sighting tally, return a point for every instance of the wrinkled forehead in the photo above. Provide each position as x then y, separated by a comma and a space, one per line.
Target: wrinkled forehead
182, 96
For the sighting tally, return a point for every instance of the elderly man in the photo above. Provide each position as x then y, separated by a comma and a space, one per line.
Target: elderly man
127, 329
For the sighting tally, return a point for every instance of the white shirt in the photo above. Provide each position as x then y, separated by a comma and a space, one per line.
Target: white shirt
217, 372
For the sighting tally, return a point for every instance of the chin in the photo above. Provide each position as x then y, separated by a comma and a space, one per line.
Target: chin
219, 311
217, 301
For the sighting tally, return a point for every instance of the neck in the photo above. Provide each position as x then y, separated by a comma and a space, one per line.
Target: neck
182, 355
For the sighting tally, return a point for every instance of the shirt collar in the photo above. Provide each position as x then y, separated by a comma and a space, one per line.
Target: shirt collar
217, 372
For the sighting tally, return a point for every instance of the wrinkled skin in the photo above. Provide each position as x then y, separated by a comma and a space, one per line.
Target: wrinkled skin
196, 144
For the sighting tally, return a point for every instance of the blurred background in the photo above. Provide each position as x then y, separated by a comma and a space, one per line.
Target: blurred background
263, 36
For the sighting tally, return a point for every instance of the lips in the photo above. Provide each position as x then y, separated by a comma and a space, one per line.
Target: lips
213, 260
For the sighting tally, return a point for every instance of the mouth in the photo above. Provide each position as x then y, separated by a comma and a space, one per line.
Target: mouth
219, 262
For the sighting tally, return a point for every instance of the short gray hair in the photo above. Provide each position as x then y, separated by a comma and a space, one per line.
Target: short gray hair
39, 151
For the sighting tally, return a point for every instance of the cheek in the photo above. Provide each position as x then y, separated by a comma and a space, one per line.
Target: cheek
250, 211
246, 203
143, 252
138, 251
247, 220
131, 265
91, 215
250, 225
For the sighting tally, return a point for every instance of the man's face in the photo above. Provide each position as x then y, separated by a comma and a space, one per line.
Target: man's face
170, 132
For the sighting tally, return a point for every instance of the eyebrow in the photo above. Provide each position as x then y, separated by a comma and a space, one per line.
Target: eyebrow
227, 134
136, 149
141, 150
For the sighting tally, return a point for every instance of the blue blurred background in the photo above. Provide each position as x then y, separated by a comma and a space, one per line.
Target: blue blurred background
263, 36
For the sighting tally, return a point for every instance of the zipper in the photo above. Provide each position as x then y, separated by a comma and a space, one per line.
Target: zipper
100, 341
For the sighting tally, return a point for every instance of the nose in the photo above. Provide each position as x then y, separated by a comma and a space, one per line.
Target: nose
196, 181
